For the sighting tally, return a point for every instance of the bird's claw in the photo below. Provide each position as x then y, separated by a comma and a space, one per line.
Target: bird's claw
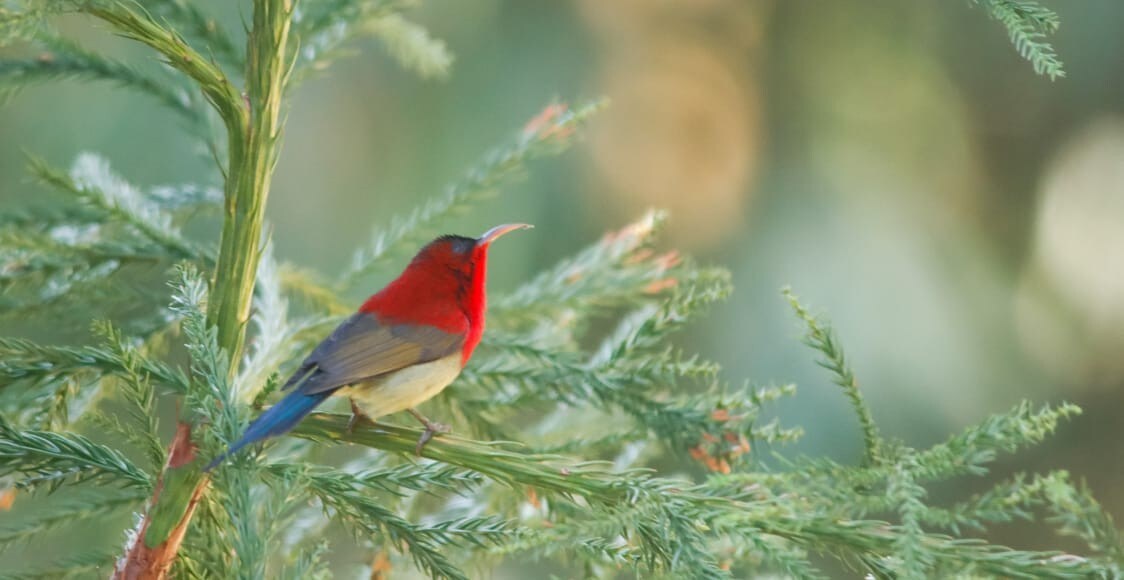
357, 417
431, 430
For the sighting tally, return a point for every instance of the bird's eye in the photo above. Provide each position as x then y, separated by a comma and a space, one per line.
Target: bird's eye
462, 246
455, 244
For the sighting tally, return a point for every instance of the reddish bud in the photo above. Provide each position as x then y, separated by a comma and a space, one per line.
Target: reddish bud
380, 567
545, 124
660, 285
639, 256
669, 260
7, 498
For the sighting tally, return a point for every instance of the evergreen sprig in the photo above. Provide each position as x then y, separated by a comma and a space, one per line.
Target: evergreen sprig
548, 134
345, 495
48, 459
138, 395
327, 27
24, 360
69, 512
601, 446
821, 338
412, 46
201, 28
62, 59
81, 565
93, 183
1028, 24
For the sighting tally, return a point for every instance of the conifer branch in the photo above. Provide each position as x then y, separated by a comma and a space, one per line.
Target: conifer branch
92, 183
496, 461
968, 452
82, 565
65, 60
45, 458
25, 21
23, 360
549, 133
346, 495
218, 90
138, 394
315, 293
412, 46
326, 28
608, 274
1028, 24
200, 26
82, 507
1077, 513
822, 338
738, 518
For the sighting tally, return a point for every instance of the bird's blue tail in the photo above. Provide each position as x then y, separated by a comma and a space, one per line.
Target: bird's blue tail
276, 420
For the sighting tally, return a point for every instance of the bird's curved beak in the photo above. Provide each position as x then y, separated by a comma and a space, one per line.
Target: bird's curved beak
494, 233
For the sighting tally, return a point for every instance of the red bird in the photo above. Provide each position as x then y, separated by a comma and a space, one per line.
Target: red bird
405, 345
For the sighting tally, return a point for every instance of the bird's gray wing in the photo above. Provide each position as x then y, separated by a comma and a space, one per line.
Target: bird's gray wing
362, 348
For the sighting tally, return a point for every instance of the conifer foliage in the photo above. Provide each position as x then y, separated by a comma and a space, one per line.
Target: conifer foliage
575, 394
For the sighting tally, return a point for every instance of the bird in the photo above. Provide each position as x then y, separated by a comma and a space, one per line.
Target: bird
404, 345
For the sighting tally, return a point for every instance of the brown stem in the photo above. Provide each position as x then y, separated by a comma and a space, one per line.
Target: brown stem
143, 561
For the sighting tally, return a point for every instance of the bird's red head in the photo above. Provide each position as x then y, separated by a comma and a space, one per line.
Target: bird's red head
443, 286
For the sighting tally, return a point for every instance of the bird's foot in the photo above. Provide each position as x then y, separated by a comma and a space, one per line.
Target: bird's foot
357, 417
432, 429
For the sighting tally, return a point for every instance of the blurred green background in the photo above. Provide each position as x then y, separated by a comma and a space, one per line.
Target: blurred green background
960, 219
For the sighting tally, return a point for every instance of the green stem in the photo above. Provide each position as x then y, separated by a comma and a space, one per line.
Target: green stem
253, 126
251, 169
590, 479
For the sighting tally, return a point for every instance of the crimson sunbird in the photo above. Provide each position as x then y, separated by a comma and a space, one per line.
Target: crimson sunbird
405, 344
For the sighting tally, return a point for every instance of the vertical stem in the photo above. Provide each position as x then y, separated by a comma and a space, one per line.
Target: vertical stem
253, 146
249, 177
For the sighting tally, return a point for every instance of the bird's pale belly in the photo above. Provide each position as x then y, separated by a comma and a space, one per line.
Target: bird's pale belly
403, 389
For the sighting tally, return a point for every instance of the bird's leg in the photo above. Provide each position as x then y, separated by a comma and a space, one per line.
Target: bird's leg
431, 429
357, 416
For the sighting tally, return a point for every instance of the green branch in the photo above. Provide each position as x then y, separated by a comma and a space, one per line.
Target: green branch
249, 176
223, 96
200, 26
68, 60
496, 461
92, 183
349, 497
730, 515
84, 507
1028, 24
821, 338
22, 360
550, 133
47, 458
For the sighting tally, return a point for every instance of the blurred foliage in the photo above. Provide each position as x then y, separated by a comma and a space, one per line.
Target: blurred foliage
887, 131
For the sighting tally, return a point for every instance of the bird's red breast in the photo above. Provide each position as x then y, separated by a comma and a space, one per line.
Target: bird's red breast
443, 287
